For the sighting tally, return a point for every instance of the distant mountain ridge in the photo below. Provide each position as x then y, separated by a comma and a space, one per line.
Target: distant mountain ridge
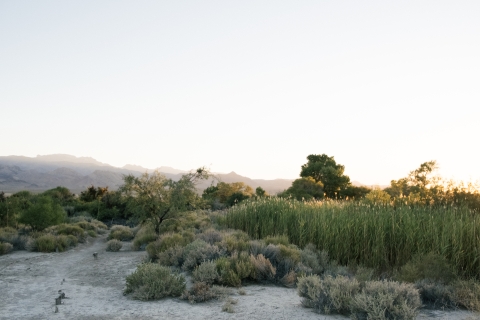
45, 172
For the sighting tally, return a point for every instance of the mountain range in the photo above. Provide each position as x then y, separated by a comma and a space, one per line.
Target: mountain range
45, 172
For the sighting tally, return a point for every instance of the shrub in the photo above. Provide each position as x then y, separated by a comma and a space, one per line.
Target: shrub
5, 248
72, 240
92, 233
210, 236
143, 237
46, 243
171, 257
152, 281
201, 291
257, 247
430, 266
386, 300
436, 295
12, 236
63, 243
276, 240
122, 233
313, 259
206, 272
228, 276
330, 295
228, 306
467, 294
167, 241
69, 229
262, 268
198, 251
114, 245
232, 243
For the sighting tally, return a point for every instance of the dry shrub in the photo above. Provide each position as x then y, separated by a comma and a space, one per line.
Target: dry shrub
330, 295
262, 268
386, 300
5, 248
289, 279
228, 305
11, 236
114, 245
198, 251
152, 281
431, 266
202, 291
467, 294
257, 247
206, 272
210, 236
92, 233
436, 295
231, 244
316, 260
171, 257
63, 242
122, 233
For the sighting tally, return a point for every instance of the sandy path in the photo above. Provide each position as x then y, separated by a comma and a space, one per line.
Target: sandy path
29, 282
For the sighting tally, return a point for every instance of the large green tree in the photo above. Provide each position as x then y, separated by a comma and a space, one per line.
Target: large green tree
44, 212
154, 199
324, 169
305, 189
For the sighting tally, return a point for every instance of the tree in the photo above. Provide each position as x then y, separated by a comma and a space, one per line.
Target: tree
324, 169
154, 199
260, 192
305, 189
227, 193
44, 212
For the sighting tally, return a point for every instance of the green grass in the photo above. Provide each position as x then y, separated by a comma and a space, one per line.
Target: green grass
381, 237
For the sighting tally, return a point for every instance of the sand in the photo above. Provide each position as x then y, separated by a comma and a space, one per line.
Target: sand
30, 282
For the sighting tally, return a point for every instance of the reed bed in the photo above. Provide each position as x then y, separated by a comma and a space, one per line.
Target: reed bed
379, 236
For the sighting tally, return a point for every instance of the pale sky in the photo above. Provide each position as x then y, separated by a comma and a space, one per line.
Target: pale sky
246, 86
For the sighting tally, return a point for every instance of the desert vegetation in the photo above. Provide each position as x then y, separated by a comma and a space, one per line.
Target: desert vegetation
366, 253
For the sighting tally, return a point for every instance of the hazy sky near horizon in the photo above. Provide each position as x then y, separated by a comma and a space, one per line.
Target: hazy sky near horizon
246, 86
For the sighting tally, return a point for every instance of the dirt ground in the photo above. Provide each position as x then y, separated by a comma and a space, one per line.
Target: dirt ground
30, 282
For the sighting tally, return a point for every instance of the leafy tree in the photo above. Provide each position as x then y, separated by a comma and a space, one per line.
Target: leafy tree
354, 192
324, 169
44, 212
93, 193
227, 193
154, 199
60, 194
260, 192
305, 189
377, 196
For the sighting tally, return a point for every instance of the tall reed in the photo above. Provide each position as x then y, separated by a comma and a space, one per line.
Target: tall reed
374, 236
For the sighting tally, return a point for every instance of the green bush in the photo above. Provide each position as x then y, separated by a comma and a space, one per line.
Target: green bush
227, 273
12, 236
91, 233
389, 300
46, 243
122, 233
143, 237
69, 229
328, 295
114, 245
151, 281
5, 248
276, 240
72, 240
430, 266
63, 242
206, 272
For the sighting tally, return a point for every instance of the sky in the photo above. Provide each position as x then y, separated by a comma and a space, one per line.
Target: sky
247, 86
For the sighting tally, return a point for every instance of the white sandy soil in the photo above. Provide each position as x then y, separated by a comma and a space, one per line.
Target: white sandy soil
30, 282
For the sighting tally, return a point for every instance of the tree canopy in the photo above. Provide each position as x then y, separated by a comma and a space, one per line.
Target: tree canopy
324, 169
154, 199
